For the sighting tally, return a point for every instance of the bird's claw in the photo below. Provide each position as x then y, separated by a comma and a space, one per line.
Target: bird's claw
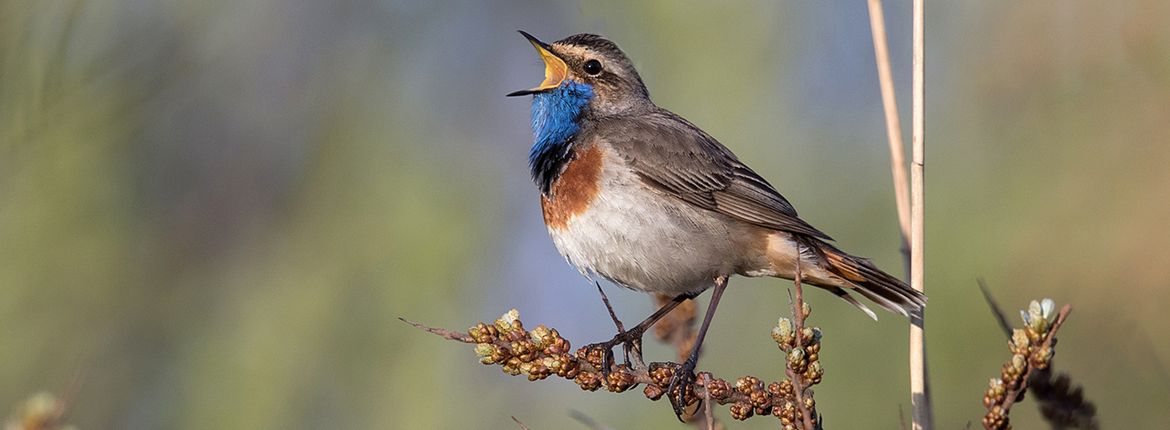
630, 340
633, 345
681, 387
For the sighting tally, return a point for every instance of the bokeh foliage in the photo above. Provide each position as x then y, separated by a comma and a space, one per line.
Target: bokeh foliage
211, 213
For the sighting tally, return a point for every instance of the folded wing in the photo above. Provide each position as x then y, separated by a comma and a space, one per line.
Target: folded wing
672, 155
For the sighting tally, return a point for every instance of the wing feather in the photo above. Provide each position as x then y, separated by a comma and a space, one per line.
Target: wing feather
673, 156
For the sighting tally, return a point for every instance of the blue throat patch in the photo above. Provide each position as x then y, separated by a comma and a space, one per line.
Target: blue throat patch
556, 117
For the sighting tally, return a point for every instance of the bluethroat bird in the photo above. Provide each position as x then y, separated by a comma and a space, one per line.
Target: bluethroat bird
647, 200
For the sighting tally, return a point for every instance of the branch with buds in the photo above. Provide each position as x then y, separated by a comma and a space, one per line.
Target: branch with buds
1032, 351
541, 352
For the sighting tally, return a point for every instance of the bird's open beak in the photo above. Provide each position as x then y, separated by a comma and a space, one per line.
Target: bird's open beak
555, 68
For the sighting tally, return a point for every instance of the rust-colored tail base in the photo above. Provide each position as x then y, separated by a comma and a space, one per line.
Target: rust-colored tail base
866, 279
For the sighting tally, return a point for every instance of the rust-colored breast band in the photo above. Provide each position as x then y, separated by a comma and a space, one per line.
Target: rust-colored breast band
574, 190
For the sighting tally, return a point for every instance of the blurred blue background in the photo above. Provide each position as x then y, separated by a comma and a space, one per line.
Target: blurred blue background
212, 213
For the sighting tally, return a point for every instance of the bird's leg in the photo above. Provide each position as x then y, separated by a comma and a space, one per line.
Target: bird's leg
607, 356
684, 376
631, 340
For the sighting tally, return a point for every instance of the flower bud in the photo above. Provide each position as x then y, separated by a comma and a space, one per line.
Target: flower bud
782, 332
504, 323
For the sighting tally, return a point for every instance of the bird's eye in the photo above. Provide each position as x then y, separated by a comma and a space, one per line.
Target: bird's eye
593, 67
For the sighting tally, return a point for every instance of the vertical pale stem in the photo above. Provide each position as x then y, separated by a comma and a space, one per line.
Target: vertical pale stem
877, 25
919, 385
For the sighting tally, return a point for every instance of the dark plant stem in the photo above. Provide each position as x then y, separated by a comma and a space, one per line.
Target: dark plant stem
798, 317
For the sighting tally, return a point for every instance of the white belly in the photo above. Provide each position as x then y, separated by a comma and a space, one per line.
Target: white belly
651, 242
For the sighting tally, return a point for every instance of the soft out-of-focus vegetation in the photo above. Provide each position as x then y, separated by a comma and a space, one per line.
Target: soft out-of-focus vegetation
212, 212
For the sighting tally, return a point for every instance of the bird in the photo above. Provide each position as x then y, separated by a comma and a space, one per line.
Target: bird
641, 197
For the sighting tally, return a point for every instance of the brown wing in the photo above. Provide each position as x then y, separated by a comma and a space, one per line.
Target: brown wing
672, 155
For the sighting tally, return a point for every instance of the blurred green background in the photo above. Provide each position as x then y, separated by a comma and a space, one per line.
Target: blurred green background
212, 213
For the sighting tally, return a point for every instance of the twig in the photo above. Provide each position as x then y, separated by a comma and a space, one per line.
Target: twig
919, 383
995, 309
707, 413
798, 316
541, 352
877, 25
1060, 402
1032, 352
635, 376
517, 420
1014, 394
587, 420
441, 332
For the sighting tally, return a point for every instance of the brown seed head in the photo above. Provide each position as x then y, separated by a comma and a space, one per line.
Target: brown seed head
741, 410
719, 389
653, 392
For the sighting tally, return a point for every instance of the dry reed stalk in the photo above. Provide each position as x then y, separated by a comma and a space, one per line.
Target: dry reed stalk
881, 51
919, 382
909, 196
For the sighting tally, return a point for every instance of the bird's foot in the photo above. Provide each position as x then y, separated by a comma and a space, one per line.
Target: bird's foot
681, 391
631, 342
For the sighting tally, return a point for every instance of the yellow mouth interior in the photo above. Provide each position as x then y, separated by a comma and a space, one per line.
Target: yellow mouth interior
555, 69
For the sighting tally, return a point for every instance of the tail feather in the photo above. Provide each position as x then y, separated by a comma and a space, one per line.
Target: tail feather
845, 295
869, 281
